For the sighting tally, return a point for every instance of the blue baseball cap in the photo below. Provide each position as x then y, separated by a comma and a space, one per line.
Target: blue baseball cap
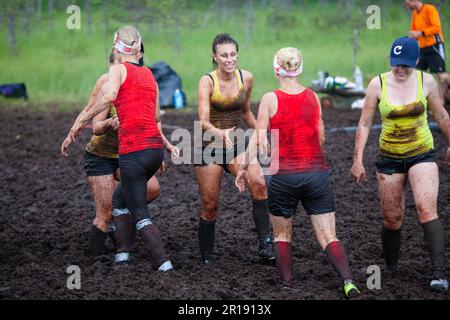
405, 51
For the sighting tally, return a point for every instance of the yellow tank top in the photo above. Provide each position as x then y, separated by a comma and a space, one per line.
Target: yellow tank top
404, 128
224, 112
107, 144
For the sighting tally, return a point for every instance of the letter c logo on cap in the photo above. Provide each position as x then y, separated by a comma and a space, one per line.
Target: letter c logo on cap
398, 50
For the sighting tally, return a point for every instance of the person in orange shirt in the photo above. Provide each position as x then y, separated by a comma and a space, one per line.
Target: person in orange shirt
426, 28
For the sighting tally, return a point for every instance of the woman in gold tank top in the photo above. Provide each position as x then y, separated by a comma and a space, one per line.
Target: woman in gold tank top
403, 96
223, 101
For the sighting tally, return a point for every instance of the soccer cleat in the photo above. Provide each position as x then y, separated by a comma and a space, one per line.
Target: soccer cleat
166, 266
440, 285
266, 248
122, 259
350, 290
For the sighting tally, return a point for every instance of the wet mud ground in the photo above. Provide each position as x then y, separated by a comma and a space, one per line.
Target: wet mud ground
46, 210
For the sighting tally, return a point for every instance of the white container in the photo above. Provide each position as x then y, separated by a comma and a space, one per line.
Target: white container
178, 101
358, 78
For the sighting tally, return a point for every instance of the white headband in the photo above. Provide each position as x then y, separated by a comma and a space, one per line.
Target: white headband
124, 48
279, 71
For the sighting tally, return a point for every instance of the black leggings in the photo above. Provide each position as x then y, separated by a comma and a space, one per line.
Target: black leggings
136, 168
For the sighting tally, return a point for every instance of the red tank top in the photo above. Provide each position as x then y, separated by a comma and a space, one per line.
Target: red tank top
298, 146
135, 104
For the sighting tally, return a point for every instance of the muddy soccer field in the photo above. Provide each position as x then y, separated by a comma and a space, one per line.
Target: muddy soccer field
46, 211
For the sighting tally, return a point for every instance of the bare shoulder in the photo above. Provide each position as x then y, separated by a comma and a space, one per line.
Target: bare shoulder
205, 82
269, 98
374, 84
117, 67
428, 80
102, 79
247, 76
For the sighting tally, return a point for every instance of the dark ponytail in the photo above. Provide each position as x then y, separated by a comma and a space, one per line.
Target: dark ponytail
141, 60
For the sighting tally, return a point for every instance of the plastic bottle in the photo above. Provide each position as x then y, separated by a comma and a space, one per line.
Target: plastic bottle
321, 78
178, 100
358, 78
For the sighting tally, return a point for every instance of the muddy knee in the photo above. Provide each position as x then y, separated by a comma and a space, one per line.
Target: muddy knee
425, 214
209, 211
258, 188
393, 222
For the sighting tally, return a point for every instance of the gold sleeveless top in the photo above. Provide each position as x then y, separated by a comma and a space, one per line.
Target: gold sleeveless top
224, 112
107, 144
405, 131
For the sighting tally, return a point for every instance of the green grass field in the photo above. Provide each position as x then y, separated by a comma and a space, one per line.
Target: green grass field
60, 66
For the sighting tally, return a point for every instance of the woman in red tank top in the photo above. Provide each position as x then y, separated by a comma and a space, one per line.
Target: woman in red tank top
101, 166
298, 170
132, 89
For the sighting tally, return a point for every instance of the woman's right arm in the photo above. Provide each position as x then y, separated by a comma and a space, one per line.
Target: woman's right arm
205, 88
258, 138
364, 127
92, 98
104, 97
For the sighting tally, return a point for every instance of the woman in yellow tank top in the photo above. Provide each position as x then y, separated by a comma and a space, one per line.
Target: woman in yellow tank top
403, 96
223, 101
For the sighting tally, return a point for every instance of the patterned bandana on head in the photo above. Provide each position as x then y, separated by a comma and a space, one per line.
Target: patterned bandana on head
279, 71
124, 48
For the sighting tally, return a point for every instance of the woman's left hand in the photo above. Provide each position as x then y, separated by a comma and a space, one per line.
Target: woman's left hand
114, 123
241, 180
174, 151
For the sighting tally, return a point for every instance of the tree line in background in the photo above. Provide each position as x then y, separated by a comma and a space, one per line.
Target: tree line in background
171, 16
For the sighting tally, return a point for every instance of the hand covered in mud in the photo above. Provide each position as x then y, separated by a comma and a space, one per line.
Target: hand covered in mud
113, 122
226, 137
65, 145
75, 131
174, 151
241, 180
358, 172
264, 148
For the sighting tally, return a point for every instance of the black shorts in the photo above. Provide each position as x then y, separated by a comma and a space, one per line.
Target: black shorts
217, 156
432, 58
389, 165
312, 189
99, 166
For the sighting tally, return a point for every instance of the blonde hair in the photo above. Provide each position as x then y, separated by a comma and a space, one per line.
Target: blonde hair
290, 59
131, 37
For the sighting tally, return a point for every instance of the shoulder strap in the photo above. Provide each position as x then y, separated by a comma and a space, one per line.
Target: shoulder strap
381, 81
421, 76
242, 77
209, 75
